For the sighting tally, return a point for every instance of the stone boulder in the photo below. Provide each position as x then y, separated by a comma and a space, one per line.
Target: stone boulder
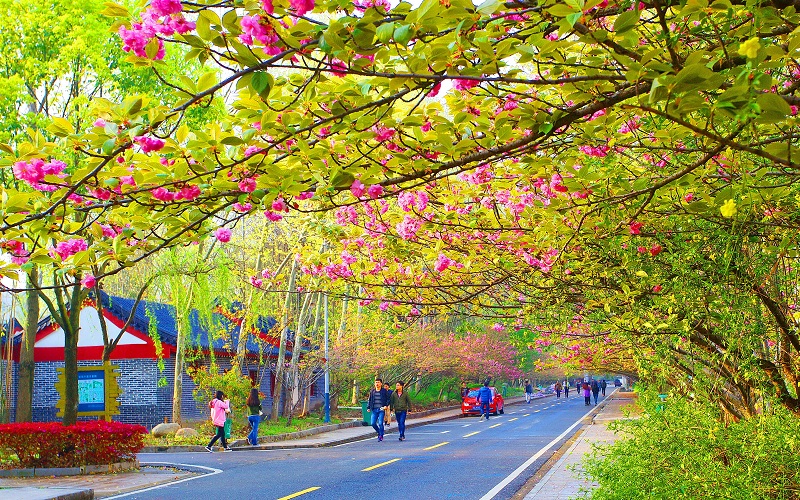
186, 432
162, 430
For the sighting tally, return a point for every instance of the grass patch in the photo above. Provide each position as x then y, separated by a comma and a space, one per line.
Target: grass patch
240, 430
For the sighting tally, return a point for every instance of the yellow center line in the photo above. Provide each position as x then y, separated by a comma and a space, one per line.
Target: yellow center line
436, 446
515, 418
527, 415
472, 434
497, 425
295, 495
380, 465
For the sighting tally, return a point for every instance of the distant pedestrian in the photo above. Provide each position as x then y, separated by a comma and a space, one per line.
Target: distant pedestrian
587, 393
485, 397
603, 385
387, 417
528, 391
220, 408
377, 405
464, 390
595, 390
400, 404
254, 415
566, 389
558, 388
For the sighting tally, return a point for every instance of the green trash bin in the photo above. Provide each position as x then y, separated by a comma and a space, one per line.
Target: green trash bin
364, 413
661, 405
505, 388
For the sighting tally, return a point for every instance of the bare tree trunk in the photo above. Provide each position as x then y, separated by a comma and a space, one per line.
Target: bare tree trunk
293, 392
71, 331
26, 363
279, 363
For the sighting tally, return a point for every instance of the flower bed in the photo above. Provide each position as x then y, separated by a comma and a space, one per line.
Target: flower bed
85, 443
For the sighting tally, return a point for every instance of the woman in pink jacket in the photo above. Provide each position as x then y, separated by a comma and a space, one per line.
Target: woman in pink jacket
219, 411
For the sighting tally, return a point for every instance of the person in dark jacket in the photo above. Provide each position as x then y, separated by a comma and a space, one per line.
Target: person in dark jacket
377, 405
485, 397
528, 391
464, 390
603, 385
566, 389
387, 417
400, 404
595, 390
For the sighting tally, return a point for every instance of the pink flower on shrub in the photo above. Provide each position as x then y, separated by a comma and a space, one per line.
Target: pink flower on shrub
148, 144
498, 327
88, 281
655, 250
375, 191
247, 185
279, 205
635, 227
465, 84
656, 288
272, 216
305, 195
223, 234
166, 7
357, 188
70, 247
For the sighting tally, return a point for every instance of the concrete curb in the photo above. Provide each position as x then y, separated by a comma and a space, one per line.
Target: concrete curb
31, 493
70, 471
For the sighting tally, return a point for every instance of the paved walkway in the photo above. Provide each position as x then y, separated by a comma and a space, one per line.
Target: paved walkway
565, 480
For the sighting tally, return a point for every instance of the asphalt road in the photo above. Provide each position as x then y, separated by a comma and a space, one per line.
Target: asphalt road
462, 458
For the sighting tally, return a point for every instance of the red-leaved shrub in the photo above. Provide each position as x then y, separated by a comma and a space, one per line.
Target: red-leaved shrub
85, 443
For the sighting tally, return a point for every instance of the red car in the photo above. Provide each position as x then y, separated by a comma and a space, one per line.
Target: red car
470, 405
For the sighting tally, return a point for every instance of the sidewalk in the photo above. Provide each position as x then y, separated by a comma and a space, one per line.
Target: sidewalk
565, 481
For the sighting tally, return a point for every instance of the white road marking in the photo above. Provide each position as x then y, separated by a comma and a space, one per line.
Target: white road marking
502, 484
212, 471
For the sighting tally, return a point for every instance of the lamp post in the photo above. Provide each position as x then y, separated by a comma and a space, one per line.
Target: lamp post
327, 418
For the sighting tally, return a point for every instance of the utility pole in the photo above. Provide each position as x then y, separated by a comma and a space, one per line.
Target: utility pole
327, 418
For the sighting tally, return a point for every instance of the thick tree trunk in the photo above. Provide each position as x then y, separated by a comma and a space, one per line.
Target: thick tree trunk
26, 363
71, 331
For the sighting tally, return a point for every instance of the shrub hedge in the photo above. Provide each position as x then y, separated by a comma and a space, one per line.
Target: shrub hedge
85, 443
684, 450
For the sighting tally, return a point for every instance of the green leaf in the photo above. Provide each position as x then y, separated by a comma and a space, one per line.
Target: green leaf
60, 127
262, 83
626, 21
384, 32
403, 34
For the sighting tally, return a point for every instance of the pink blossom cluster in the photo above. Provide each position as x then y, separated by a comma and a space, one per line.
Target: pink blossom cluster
88, 281
444, 262
358, 189
465, 84
257, 28
70, 247
302, 6
17, 250
596, 151
408, 200
408, 228
383, 134
148, 144
380, 5
223, 234
162, 17
189, 192
481, 175
34, 172
247, 185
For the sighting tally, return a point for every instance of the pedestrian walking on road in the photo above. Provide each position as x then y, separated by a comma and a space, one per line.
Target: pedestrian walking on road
566, 389
595, 390
485, 397
558, 389
528, 391
387, 417
377, 404
254, 415
587, 393
220, 408
603, 385
400, 404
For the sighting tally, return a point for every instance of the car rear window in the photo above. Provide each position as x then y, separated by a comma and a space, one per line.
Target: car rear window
473, 394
